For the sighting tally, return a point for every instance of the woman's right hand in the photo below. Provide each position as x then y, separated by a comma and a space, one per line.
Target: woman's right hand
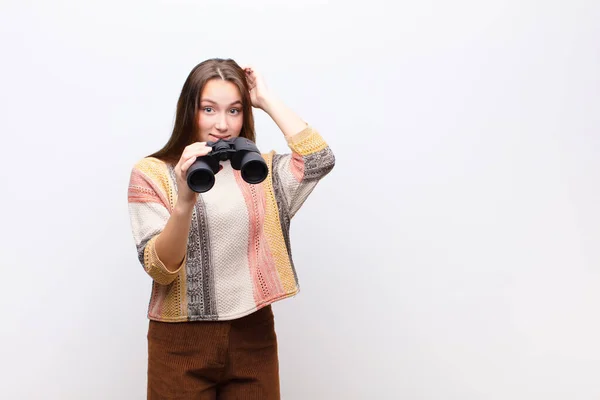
186, 195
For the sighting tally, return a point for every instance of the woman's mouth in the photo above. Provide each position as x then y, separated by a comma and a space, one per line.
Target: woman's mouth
218, 137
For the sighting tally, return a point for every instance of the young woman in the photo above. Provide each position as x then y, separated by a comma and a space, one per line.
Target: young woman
220, 258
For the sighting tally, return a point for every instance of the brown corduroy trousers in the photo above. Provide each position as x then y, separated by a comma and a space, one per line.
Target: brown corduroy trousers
222, 360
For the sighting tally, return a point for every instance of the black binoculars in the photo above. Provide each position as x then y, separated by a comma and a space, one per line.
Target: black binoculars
244, 157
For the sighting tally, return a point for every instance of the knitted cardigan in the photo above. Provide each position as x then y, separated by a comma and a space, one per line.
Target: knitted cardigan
238, 257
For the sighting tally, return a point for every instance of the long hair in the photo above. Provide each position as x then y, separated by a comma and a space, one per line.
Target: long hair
185, 129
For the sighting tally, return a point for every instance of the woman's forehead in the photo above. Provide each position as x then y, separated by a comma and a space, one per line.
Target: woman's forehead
220, 92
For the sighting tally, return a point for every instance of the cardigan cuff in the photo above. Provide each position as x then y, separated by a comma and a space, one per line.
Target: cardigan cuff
307, 141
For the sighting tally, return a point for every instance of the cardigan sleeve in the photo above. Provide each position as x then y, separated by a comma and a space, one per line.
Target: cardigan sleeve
296, 174
149, 200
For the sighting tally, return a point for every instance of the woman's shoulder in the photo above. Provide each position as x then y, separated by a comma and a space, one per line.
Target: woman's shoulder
150, 163
268, 154
154, 168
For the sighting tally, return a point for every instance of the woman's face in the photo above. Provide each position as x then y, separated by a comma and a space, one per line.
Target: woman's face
220, 112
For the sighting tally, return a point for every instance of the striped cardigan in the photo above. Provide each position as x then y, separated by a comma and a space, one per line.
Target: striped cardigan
238, 256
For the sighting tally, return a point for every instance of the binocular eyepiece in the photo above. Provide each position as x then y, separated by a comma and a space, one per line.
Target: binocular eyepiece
244, 156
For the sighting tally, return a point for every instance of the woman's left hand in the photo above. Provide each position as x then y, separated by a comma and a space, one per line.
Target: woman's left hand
259, 93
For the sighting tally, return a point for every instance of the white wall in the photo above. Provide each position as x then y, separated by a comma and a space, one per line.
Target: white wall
451, 254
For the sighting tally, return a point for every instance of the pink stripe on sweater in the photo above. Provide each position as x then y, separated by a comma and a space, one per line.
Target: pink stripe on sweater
143, 190
262, 266
297, 166
159, 300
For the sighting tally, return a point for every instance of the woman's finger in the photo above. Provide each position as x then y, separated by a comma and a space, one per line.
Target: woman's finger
186, 165
191, 153
194, 146
195, 149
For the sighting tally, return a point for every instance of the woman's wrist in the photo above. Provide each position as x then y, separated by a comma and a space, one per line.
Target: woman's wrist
269, 103
184, 206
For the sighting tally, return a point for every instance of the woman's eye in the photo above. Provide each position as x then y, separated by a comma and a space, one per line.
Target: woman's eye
208, 109
235, 111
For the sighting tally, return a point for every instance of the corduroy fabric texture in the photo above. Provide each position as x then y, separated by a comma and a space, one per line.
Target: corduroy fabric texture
222, 360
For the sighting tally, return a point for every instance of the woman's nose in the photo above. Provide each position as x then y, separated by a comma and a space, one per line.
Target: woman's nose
221, 123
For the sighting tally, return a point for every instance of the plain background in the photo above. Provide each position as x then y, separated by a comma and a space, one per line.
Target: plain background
451, 254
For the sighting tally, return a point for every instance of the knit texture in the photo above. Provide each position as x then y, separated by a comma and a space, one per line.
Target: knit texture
238, 257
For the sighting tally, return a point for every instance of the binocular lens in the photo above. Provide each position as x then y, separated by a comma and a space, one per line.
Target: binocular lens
253, 167
254, 172
201, 178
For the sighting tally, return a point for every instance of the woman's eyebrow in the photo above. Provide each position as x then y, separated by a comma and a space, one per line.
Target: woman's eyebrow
214, 102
